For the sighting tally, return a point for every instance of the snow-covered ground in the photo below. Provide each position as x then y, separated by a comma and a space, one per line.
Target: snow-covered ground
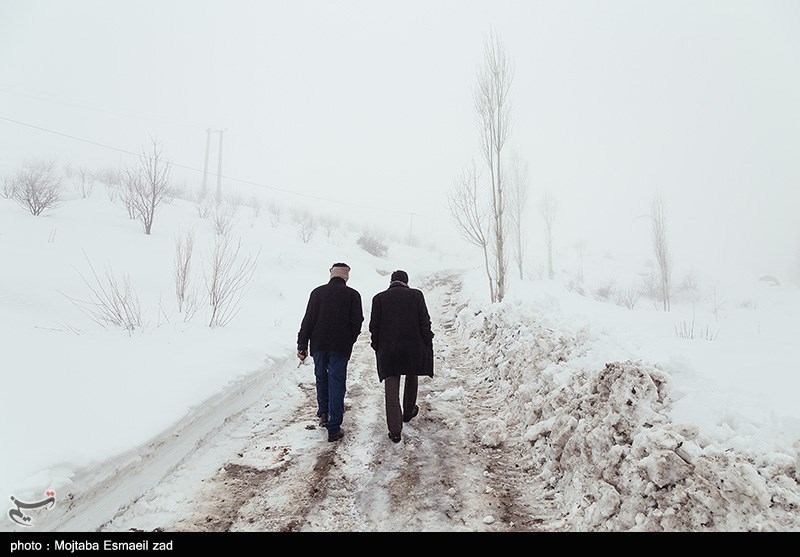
618, 420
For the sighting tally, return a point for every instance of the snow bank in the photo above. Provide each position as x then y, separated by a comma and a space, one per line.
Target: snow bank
603, 435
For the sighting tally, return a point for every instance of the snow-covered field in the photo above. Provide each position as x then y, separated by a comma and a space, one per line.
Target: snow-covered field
632, 425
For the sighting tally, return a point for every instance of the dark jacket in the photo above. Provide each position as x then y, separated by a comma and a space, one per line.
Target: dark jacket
333, 319
400, 329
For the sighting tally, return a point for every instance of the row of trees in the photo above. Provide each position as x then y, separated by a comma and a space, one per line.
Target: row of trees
38, 187
494, 222
483, 224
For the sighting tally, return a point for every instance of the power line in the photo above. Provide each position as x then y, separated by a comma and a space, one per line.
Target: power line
104, 110
193, 169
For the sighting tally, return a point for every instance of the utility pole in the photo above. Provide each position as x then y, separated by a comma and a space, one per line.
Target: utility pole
204, 191
219, 170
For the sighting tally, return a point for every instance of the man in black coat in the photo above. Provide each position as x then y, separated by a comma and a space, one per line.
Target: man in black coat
331, 325
400, 329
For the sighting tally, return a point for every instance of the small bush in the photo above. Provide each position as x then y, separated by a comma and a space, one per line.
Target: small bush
37, 188
627, 297
227, 280
306, 225
8, 188
372, 245
605, 291
113, 301
223, 218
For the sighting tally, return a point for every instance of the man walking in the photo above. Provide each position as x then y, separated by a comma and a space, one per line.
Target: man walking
400, 332
331, 325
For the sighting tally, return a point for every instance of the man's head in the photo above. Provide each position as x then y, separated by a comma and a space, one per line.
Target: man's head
340, 270
400, 276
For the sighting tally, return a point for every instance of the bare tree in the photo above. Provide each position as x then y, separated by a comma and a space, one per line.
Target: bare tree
149, 185
548, 209
493, 112
86, 180
227, 280
37, 187
659, 221
470, 217
184, 246
8, 189
518, 198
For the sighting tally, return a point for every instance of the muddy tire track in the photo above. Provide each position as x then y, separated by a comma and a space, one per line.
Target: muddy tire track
284, 475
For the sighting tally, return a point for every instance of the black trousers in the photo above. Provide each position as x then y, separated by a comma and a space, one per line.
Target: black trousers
394, 413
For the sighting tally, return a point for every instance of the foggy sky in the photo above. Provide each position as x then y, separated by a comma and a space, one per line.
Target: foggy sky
366, 107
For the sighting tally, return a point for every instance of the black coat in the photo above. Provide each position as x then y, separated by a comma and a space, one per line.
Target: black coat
400, 329
333, 319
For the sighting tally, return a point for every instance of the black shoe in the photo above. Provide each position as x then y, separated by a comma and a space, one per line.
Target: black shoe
323, 419
414, 412
395, 437
336, 435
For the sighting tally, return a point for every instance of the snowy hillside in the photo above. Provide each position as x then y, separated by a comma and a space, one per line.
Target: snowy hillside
627, 423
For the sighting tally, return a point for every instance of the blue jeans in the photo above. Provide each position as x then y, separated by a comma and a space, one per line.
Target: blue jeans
330, 369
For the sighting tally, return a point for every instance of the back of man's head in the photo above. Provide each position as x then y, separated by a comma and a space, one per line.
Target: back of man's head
340, 270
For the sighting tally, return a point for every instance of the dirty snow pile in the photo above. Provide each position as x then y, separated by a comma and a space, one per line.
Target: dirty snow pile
602, 436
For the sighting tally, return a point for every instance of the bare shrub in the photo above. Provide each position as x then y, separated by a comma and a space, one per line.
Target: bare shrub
37, 187
306, 225
651, 285
627, 297
748, 303
223, 218
275, 212
689, 287
204, 207
328, 224
112, 180
113, 301
184, 248
8, 188
148, 186
372, 244
180, 191
233, 198
717, 303
85, 182
255, 205
687, 331
575, 284
227, 280
604, 292
128, 193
